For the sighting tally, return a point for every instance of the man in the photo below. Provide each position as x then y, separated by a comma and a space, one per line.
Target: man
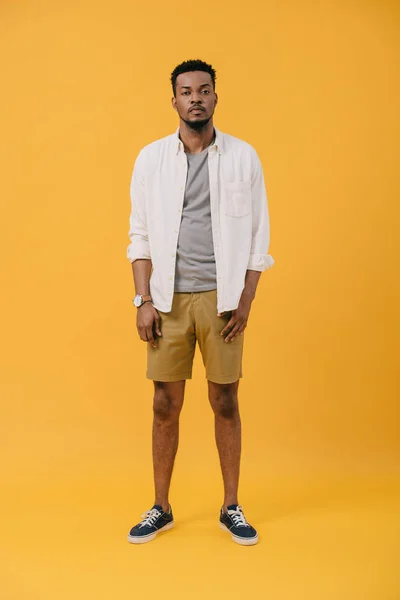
199, 231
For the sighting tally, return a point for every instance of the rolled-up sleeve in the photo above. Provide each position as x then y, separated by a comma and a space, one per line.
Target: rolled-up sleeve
259, 259
138, 234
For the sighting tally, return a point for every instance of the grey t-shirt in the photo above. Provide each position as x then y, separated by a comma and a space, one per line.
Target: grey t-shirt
195, 269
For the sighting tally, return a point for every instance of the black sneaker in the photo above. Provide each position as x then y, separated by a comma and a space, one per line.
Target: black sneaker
235, 522
154, 521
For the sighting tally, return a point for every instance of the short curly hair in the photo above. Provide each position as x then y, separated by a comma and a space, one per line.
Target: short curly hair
192, 65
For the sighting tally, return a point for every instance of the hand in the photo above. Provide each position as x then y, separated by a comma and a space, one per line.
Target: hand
238, 321
148, 323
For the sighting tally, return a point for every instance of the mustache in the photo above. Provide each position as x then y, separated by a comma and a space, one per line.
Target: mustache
196, 108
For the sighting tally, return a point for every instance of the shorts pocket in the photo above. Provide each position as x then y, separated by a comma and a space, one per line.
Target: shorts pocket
237, 202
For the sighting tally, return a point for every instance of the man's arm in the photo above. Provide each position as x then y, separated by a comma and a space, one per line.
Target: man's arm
148, 319
139, 247
259, 259
141, 269
250, 284
238, 321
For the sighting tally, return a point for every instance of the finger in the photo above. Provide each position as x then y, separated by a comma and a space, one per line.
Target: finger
157, 325
230, 337
240, 331
242, 328
156, 332
231, 323
142, 334
150, 337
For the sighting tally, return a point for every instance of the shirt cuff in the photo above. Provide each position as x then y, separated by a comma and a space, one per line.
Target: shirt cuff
260, 262
138, 251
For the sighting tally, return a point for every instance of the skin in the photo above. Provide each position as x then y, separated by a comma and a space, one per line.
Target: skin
194, 90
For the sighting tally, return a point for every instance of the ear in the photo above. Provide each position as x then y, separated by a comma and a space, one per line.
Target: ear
173, 102
216, 99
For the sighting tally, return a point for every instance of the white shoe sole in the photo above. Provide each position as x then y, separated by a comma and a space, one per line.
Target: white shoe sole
147, 538
239, 540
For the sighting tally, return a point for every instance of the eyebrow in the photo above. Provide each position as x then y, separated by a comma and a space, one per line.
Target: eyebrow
202, 85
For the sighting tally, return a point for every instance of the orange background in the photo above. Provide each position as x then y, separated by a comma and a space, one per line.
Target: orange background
312, 86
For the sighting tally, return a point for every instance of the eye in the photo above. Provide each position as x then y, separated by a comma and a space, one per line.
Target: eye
185, 93
206, 91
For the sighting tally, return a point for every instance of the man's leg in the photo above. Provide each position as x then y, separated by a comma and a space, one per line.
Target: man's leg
224, 401
168, 402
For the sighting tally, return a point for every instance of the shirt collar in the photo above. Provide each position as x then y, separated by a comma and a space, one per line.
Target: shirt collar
216, 146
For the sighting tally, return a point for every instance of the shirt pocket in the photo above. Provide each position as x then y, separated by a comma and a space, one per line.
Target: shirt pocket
237, 201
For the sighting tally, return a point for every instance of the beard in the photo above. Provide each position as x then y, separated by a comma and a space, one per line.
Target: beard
197, 125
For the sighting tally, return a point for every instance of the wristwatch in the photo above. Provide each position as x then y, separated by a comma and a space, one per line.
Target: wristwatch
139, 300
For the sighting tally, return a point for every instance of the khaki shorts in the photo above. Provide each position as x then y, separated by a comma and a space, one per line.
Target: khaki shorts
194, 317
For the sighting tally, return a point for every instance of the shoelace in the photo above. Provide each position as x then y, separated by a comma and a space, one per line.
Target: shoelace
238, 517
150, 517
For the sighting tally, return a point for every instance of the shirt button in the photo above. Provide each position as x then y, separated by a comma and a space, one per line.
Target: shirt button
170, 277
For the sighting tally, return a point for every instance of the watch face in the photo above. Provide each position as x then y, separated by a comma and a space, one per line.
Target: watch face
137, 301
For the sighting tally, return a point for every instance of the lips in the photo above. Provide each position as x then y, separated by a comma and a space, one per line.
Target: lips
197, 108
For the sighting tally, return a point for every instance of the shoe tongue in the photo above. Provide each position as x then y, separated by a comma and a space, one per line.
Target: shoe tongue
232, 507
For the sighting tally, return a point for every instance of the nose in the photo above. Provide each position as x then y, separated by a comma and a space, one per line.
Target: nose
196, 99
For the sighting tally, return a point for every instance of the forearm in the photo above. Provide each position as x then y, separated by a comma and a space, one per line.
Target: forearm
141, 270
238, 320
250, 285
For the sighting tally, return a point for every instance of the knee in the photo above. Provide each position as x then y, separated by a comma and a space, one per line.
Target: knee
224, 402
166, 406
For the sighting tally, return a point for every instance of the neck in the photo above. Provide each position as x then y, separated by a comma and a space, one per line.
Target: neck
196, 141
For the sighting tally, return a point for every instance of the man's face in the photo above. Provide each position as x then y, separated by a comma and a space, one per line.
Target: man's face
195, 99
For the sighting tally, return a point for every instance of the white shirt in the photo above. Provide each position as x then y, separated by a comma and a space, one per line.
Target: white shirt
239, 215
